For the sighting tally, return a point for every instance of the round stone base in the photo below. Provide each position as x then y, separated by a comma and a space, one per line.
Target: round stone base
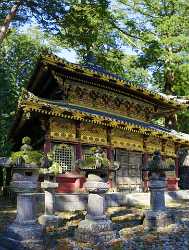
157, 220
24, 237
95, 231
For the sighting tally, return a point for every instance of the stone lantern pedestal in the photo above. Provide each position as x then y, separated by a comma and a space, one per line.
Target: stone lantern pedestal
49, 218
96, 228
157, 217
24, 232
25, 178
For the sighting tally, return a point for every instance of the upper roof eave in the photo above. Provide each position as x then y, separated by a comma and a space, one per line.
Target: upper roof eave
168, 100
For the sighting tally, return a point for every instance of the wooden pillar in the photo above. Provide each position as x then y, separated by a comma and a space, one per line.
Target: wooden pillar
145, 158
145, 161
47, 147
109, 148
78, 151
111, 175
45, 125
177, 161
177, 167
109, 153
78, 147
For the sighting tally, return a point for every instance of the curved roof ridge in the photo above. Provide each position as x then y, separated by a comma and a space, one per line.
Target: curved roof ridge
93, 71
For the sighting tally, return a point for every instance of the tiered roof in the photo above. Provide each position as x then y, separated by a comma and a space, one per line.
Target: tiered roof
52, 67
31, 103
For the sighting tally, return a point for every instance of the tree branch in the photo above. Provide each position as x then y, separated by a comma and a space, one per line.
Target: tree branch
8, 19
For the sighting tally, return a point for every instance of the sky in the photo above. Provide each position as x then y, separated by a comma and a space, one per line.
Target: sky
69, 55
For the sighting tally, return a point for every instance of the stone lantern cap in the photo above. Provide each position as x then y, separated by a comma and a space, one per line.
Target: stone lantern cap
49, 184
156, 164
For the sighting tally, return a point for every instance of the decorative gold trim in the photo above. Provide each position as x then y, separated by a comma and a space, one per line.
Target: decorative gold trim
167, 99
30, 103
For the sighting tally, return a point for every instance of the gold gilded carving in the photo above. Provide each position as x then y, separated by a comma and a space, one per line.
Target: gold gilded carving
93, 134
153, 144
124, 139
170, 149
62, 129
94, 97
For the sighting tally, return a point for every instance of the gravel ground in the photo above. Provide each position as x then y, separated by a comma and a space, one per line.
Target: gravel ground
174, 237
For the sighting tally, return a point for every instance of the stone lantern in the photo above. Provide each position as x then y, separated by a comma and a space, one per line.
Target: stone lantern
26, 164
96, 228
157, 216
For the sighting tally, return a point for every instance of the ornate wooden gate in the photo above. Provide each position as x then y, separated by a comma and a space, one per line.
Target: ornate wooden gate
129, 174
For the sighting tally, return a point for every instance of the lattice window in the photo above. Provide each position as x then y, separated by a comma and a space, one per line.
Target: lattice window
64, 155
87, 155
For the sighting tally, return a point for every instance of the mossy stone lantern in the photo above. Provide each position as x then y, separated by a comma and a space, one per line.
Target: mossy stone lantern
26, 164
157, 216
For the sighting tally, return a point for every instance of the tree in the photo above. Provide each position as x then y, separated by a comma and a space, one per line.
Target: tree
18, 56
159, 30
48, 13
87, 30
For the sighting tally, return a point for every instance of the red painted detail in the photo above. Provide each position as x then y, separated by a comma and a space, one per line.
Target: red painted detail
109, 154
70, 182
78, 151
145, 173
47, 147
172, 183
177, 167
109, 182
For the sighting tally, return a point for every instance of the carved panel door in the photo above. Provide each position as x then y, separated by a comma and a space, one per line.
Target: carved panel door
129, 174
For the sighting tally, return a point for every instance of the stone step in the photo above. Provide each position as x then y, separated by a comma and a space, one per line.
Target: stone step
125, 217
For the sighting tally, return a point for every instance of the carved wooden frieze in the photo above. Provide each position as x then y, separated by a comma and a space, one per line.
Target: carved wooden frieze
62, 129
106, 100
93, 134
153, 144
170, 149
125, 139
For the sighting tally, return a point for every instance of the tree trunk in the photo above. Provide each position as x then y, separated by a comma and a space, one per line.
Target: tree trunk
171, 119
8, 19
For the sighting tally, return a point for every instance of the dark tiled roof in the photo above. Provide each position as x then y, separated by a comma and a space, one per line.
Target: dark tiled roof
101, 70
96, 71
112, 116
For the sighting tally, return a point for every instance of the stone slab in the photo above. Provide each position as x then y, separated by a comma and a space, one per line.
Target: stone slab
49, 220
78, 201
101, 237
95, 226
157, 220
23, 237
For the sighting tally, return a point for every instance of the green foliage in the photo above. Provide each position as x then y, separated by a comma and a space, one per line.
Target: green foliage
47, 13
55, 168
158, 32
26, 140
18, 57
28, 156
87, 30
91, 163
183, 121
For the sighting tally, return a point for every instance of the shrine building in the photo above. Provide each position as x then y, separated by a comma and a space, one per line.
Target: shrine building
69, 108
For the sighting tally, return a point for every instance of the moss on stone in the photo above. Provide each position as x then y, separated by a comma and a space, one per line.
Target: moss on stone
28, 156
